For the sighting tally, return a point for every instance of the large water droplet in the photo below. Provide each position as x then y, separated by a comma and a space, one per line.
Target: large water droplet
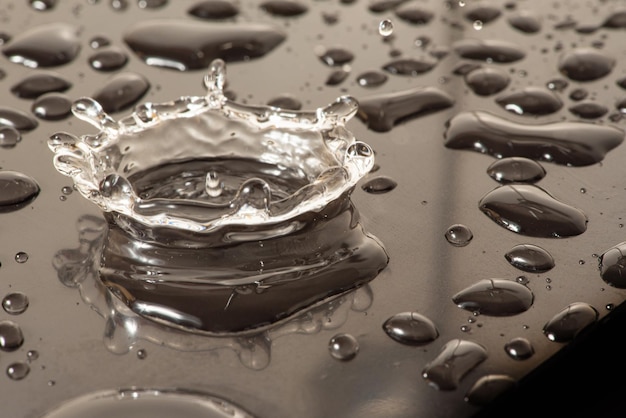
110, 59
214, 9
486, 389
533, 101
495, 297
612, 264
519, 348
530, 258
189, 45
18, 371
526, 22
15, 303
589, 110
569, 143
483, 12
122, 91
343, 347
52, 106
381, 112
284, 8
413, 14
568, 323
411, 328
48, 45
18, 190
40, 83
487, 81
516, 170
529, 210
17, 119
586, 64
459, 235
456, 359
489, 50
409, 66
11, 337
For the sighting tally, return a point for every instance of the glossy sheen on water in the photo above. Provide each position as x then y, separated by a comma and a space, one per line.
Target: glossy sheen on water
343, 347
18, 370
381, 112
52, 106
568, 143
495, 297
187, 45
213, 9
11, 337
411, 328
569, 322
153, 403
530, 101
459, 235
409, 66
516, 170
121, 91
371, 79
286, 101
489, 50
487, 388
586, 64
612, 264
487, 81
530, 210
335, 56
15, 303
385, 27
43, 5
519, 348
110, 59
48, 45
18, 190
17, 119
530, 258
378, 185
21, 257
456, 359
34, 85
284, 8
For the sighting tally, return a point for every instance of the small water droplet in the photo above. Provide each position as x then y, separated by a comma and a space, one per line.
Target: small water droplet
99, 41
409, 66
9, 136
487, 388
525, 22
411, 328
371, 79
21, 257
34, 85
17, 119
11, 337
495, 297
379, 185
18, 371
32, 355
151, 4
519, 348
477, 24
67, 190
335, 57
15, 303
489, 50
343, 347
486, 81
110, 59
589, 110
214, 10
283, 8
529, 257
385, 27
121, 91
459, 235
43, 5
142, 354
612, 264
52, 106
51, 383
516, 170
456, 359
569, 322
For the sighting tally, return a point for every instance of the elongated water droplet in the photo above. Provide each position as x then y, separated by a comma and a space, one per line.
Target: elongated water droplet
531, 101
371, 79
411, 328
40, 83
343, 347
151, 4
214, 186
379, 185
18, 190
409, 66
568, 323
15, 303
18, 371
589, 110
487, 81
48, 45
336, 56
569, 143
122, 91
525, 22
284, 8
337, 77
110, 59
519, 348
456, 359
529, 210
486, 389
11, 337
495, 297
414, 14
43, 5
52, 106
489, 50
612, 264
483, 12
381, 112
214, 10
586, 64
516, 170
17, 119
459, 235
531, 258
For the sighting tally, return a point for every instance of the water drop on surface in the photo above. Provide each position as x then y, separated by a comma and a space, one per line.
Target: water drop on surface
411, 328
34, 85
151, 4
487, 81
530, 258
142, 354
589, 110
99, 41
343, 347
335, 57
612, 264
516, 170
486, 389
456, 359
15, 303
519, 348
483, 13
489, 50
371, 79
409, 66
586, 64
110, 59
47, 45
17, 119
52, 106
477, 25
495, 297
534, 101
568, 323
11, 337
122, 91
21, 257
379, 185
32, 355
18, 371
43, 5
214, 10
385, 27
414, 15
459, 235
284, 8
525, 22
337, 77
9, 136
18, 190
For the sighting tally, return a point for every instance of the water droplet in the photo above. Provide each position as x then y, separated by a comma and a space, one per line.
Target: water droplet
21, 257
379, 185
487, 388
557, 84
612, 264
11, 337
286, 101
371, 79
409, 66
477, 24
578, 94
531, 258
214, 10
489, 50
414, 15
495, 297
121, 91
51, 383
525, 22
411, 328
18, 371
9, 136
110, 59
47, 45
335, 57
34, 85
52, 106
382, 111
18, 190
99, 41
569, 143
459, 235
534, 101
142, 354
487, 81
568, 323
343, 347
483, 13
67, 190
15, 303
519, 348
456, 359
17, 119
151, 4
586, 64
284, 8
194, 45
337, 77
32, 355
516, 170
43, 5
385, 27
589, 110
529, 210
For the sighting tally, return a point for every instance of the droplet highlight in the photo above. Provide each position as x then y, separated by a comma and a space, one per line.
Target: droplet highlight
569, 322
411, 328
530, 258
495, 297
456, 359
